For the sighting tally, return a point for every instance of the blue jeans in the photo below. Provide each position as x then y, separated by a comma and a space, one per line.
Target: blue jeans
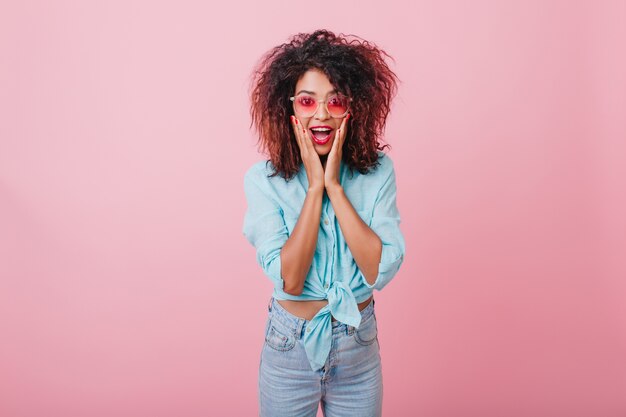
350, 383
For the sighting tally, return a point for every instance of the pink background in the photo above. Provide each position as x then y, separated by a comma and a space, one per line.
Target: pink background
127, 288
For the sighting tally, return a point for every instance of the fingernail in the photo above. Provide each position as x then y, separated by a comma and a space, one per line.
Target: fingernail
296, 120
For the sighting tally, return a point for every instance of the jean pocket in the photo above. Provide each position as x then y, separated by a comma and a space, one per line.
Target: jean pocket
268, 321
367, 332
279, 339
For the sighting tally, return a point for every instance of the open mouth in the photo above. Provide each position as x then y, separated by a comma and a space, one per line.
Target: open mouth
321, 135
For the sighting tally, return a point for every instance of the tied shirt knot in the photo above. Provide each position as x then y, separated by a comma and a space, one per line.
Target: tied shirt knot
319, 331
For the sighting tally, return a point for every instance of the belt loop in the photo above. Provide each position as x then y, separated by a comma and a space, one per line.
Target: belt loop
269, 305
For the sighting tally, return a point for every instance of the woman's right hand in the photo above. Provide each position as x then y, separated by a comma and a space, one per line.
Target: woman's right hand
310, 158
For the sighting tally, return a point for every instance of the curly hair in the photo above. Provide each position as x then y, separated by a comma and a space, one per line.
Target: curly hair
354, 66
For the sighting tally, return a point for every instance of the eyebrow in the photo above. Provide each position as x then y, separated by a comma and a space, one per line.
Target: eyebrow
314, 94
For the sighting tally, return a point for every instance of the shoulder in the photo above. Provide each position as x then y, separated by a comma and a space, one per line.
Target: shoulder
386, 163
260, 175
258, 171
260, 167
384, 175
384, 168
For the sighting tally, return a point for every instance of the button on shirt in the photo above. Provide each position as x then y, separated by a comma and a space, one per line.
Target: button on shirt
274, 205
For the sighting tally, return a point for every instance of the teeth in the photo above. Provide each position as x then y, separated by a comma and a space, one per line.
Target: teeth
315, 129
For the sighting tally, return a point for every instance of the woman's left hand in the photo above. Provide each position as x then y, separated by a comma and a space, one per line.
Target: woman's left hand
333, 162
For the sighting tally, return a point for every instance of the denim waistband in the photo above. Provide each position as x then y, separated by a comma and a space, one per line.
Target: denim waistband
298, 324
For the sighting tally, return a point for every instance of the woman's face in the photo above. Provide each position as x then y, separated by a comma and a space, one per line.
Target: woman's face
317, 85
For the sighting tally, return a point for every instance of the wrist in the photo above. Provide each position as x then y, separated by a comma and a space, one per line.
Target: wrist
316, 188
334, 189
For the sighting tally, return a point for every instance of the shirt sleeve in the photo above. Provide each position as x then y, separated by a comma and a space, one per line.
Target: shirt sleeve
264, 227
385, 223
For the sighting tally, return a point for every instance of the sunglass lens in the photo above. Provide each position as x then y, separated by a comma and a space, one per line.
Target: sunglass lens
305, 105
337, 105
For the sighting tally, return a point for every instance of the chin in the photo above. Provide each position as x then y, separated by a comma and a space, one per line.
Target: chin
323, 149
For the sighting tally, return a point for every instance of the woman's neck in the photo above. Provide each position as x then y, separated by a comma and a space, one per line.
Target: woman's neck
323, 159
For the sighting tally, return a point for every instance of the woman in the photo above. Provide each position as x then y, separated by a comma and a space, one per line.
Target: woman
322, 216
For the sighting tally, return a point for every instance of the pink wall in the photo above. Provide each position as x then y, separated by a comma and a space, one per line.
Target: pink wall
127, 288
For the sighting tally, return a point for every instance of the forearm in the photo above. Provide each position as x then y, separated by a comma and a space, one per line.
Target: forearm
364, 243
297, 253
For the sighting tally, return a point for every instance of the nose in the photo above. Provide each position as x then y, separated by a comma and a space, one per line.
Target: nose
321, 113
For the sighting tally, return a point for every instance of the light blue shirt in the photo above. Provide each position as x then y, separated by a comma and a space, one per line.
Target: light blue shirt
274, 205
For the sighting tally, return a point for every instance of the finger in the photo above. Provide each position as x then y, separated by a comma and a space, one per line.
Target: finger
337, 139
344, 130
296, 131
340, 136
307, 139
